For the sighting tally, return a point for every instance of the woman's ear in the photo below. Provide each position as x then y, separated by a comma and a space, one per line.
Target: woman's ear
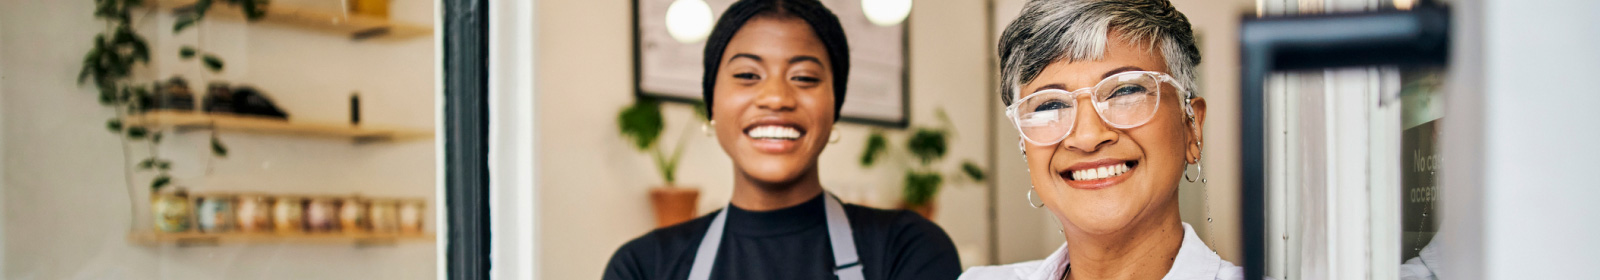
1196, 128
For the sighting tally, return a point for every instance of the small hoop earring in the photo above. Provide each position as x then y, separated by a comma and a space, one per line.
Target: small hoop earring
1198, 169
707, 127
1030, 199
833, 135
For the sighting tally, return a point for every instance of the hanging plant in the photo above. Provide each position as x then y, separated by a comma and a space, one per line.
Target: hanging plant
109, 65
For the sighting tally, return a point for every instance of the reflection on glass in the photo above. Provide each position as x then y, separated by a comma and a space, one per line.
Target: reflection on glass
1421, 112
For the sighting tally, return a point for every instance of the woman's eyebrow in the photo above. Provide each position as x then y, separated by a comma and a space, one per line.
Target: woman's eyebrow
1120, 70
745, 55
801, 58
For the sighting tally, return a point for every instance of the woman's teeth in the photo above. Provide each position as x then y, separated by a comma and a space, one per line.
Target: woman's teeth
1098, 173
774, 132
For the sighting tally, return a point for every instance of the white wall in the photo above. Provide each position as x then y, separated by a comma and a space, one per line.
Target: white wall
1535, 146
593, 187
67, 203
1031, 234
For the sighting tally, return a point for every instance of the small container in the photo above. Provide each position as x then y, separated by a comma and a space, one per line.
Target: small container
411, 216
172, 210
255, 213
322, 215
373, 8
288, 214
353, 215
216, 213
385, 216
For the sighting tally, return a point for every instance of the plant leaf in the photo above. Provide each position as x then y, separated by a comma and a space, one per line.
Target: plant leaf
972, 170
217, 149
642, 122
212, 62
156, 137
158, 182
137, 132
877, 145
184, 21
114, 125
147, 164
164, 164
187, 52
920, 187
927, 144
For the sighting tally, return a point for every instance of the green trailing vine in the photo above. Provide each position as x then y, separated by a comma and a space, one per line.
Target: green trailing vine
119, 50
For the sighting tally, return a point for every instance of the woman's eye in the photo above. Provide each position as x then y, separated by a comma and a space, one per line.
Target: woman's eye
746, 76
1127, 90
806, 79
1051, 105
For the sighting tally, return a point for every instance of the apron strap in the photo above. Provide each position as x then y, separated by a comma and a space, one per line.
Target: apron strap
840, 236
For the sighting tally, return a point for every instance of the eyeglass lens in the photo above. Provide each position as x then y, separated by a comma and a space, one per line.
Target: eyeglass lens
1123, 100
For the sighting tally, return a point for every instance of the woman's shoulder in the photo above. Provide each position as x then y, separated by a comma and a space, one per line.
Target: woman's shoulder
999, 272
894, 221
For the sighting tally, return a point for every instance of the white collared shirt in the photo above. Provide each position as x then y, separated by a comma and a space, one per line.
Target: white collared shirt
1195, 261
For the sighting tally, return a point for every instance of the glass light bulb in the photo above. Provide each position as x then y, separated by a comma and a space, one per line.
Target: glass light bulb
689, 21
886, 12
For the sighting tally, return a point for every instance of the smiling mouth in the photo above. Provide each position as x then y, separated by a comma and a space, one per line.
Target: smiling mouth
774, 132
1099, 173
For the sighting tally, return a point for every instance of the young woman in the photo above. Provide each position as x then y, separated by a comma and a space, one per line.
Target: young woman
1101, 92
774, 82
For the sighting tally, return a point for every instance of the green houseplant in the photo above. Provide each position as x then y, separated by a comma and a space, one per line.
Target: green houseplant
642, 123
927, 146
119, 52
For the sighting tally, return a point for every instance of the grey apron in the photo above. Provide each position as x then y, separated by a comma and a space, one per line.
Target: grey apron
847, 263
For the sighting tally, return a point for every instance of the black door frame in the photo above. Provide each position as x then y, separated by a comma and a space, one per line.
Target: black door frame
466, 138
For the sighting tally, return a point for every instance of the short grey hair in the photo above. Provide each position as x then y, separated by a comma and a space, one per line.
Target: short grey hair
1075, 30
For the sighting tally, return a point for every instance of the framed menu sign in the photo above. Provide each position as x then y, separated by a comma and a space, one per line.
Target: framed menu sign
876, 92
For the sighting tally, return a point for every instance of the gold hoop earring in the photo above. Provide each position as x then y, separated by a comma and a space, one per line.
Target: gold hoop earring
707, 127
833, 135
1030, 199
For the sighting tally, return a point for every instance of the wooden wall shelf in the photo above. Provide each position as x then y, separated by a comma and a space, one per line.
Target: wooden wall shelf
358, 27
190, 120
188, 239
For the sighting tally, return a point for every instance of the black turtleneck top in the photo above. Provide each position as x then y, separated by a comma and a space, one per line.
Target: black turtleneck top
792, 243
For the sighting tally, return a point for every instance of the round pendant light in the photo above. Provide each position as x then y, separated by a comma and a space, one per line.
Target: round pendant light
689, 21
886, 12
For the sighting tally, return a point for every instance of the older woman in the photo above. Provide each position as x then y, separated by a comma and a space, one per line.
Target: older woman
1101, 91
774, 81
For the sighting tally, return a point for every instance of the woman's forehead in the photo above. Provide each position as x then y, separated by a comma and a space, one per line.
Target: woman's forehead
775, 38
1075, 74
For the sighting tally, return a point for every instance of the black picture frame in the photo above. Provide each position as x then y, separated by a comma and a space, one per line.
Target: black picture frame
1419, 37
466, 138
905, 76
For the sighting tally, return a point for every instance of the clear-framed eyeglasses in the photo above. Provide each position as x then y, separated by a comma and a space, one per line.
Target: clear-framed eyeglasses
1124, 100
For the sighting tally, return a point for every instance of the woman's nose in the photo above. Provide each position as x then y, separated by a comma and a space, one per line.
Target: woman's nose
1090, 134
776, 96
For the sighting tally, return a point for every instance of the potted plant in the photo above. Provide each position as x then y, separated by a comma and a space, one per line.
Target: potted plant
643, 123
927, 145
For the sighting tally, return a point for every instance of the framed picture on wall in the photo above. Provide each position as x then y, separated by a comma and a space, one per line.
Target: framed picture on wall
877, 92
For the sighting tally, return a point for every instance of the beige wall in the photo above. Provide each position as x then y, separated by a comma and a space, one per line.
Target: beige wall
592, 186
67, 205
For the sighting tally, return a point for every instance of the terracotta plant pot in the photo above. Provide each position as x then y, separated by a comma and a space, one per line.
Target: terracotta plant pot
926, 210
674, 205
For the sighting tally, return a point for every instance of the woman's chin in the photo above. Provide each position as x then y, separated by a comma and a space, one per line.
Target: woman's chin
1098, 221
773, 173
